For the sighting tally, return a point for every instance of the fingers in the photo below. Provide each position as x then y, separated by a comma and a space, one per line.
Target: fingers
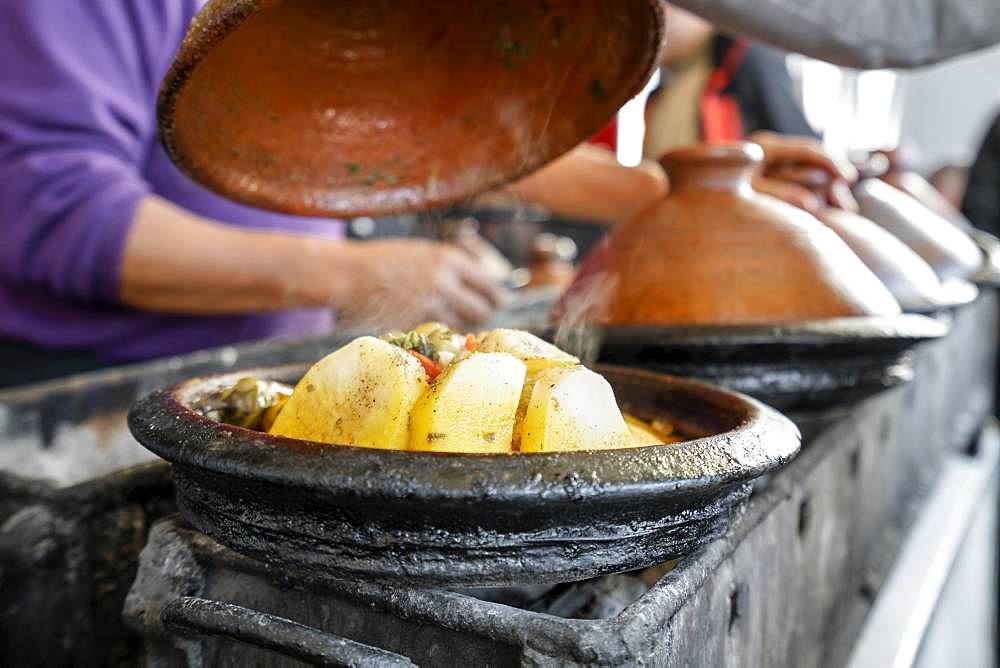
789, 150
440, 310
848, 172
804, 154
469, 242
490, 260
475, 278
842, 197
463, 294
807, 150
465, 307
794, 194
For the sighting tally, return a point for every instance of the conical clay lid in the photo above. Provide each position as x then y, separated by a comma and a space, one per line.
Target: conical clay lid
715, 252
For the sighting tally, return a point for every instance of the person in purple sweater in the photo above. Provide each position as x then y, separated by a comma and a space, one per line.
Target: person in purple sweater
108, 254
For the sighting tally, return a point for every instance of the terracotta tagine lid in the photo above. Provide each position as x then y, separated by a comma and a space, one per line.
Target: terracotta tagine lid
714, 251
899, 174
907, 275
365, 108
947, 249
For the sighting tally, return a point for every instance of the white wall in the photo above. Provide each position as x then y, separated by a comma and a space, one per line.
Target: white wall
941, 111
947, 108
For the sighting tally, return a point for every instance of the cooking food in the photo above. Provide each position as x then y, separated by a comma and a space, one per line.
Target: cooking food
434, 389
250, 403
468, 520
360, 394
469, 407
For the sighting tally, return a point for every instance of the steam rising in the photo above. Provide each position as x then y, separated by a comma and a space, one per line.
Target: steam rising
581, 307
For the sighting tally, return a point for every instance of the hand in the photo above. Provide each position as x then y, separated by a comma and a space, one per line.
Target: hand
465, 234
400, 283
803, 151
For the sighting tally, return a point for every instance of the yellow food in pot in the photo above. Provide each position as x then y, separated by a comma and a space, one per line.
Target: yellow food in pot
533, 351
362, 394
641, 432
433, 389
572, 408
470, 407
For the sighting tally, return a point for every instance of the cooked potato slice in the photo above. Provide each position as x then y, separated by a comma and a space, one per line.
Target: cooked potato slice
272, 412
470, 407
533, 351
641, 432
361, 394
537, 356
572, 408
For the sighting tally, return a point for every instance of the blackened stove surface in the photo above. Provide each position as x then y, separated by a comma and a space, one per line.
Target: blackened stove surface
587, 621
77, 497
787, 585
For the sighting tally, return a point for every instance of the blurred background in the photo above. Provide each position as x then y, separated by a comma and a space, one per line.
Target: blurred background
941, 113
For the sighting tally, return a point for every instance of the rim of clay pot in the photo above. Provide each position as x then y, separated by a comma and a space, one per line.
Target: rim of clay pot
166, 423
360, 175
469, 520
875, 332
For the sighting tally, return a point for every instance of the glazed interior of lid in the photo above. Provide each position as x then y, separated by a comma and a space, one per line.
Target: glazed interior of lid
715, 252
343, 109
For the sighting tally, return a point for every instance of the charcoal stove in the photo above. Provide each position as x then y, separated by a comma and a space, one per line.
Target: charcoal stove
789, 584
77, 496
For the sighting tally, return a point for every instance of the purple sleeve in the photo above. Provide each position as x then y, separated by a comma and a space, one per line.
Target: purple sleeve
78, 81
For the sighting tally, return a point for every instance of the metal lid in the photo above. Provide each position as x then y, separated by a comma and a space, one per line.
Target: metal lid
317, 107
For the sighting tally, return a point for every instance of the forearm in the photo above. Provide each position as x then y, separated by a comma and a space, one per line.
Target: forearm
589, 184
176, 262
856, 33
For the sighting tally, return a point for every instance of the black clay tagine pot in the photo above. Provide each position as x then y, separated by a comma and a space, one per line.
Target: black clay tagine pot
805, 366
469, 520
